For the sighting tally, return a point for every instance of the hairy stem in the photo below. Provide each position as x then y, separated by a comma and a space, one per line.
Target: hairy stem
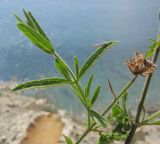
142, 99
108, 108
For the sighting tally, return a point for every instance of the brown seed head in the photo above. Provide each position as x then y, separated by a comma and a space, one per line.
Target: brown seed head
139, 65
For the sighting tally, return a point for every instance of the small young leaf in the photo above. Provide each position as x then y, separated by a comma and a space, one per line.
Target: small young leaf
97, 117
95, 95
88, 87
117, 111
151, 49
41, 83
68, 140
36, 38
88, 102
106, 138
93, 58
62, 68
76, 65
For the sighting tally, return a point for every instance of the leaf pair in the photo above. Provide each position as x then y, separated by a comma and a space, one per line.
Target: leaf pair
88, 89
32, 30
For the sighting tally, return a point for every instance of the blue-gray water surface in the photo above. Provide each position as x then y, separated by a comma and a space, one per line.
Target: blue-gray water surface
74, 27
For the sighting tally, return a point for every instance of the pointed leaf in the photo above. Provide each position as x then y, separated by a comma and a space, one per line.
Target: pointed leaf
117, 111
62, 68
18, 18
153, 116
65, 64
37, 26
36, 38
151, 123
29, 20
97, 117
151, 48
95, 95
88, 87
76, 65
93, 58
68, 140
41, 83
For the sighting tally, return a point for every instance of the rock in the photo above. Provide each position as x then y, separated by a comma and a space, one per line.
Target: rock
24, 120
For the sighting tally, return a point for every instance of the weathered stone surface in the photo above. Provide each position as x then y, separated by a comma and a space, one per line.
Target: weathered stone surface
22, 121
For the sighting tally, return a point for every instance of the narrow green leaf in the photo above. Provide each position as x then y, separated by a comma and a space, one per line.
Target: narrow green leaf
68, 140
37, 26
97, 117
151, 123
18, 18
151, 48
93, 58
62, 68
95, 95
153, 116
29, 20
36, 38
88, 87
117, 111
76, 65
66, 65
41, 83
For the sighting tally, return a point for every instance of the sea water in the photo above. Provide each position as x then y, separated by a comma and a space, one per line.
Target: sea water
74, 28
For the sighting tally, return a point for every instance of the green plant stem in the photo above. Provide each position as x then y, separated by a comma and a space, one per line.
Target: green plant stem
89, 120
82, 97
120, 95
85, 133
59, 57
78, 86
108, 108
142, 99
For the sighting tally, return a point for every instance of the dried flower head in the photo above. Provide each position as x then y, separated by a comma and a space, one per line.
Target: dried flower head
140, 65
